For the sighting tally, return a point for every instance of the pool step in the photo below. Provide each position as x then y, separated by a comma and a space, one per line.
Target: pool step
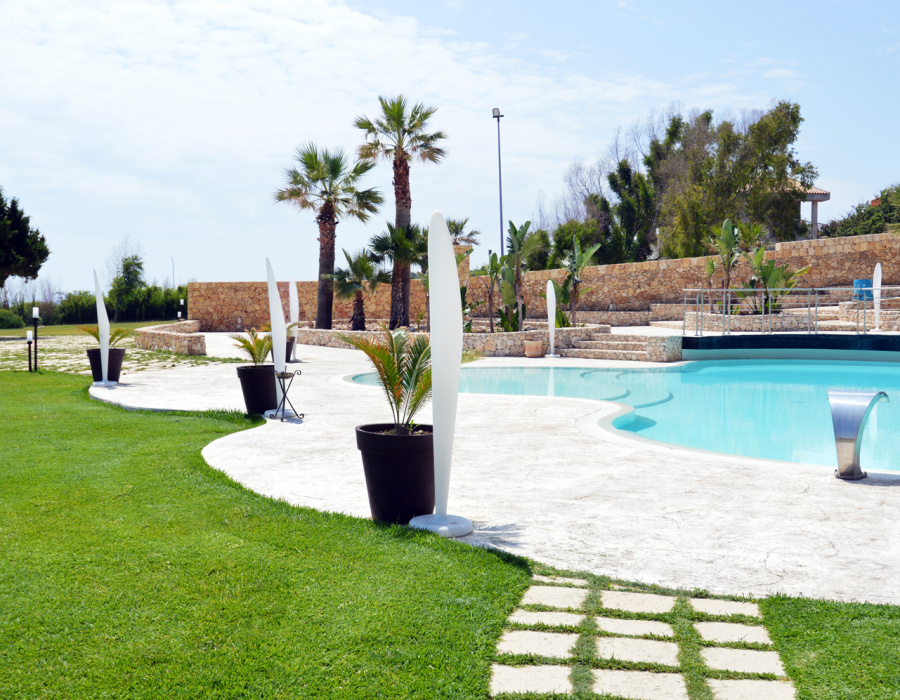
610, 347
584, 354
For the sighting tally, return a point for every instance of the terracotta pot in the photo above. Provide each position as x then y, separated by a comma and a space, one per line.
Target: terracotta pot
534, 348
258, 387
399, 472
114, 367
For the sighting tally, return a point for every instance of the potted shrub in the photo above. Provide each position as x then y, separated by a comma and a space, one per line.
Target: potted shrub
257, 380
398, 457
289, 344
116, 355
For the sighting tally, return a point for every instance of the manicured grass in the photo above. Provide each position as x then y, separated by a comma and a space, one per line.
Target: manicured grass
129, 568
837, 650
75, 329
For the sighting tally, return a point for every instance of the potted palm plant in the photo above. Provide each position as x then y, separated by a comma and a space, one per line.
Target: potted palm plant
398, 457
257, 380
116, 355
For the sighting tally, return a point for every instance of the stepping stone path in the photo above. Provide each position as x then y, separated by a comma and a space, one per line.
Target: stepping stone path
622, 643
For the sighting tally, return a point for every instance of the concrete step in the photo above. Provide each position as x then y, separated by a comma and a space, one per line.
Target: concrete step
610, 345
677, 325
633, 355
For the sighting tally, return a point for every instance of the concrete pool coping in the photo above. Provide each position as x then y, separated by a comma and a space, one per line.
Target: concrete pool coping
540, 478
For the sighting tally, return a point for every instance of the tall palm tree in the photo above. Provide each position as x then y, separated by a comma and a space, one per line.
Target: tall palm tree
457, 228
404, 247
325, 183
400, 134
360, 275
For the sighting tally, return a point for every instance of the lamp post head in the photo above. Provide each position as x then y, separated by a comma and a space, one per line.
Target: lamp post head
496, 113
28, 337
35, 312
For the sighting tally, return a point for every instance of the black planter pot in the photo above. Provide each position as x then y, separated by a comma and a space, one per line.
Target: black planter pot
399, 472
258, 386
114, 368
288, 349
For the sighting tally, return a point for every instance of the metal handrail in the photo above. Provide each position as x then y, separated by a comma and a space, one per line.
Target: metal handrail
790, 299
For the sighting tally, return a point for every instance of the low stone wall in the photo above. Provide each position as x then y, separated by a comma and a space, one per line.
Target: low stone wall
614, 318
487, 344
664, 348
864, 314
776, 323
666, 312
183, 338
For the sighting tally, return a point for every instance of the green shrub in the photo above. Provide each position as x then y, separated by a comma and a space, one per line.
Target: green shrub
9, 320
866, 219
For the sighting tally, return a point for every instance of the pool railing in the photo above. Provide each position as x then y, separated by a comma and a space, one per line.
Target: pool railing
797, 309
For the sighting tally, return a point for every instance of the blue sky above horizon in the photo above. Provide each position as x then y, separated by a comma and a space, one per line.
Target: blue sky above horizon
173, 122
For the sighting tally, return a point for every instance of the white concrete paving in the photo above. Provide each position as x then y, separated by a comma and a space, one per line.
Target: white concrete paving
540, 477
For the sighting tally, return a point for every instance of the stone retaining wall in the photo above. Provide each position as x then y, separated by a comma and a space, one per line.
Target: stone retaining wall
183, 338
664, 348
487, 344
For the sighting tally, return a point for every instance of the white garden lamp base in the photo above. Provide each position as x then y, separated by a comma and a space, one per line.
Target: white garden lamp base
549, 355
105, 383
444, 525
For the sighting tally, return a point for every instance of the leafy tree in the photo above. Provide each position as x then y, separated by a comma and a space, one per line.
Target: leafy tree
626, 227
325, 183
399, 134
865, 218
457, 228
564, 237
360, 275
404, 247
23, 249
541, 256
714, 169
129, 280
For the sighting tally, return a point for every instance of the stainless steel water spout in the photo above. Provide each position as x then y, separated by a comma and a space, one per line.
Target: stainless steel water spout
849, 413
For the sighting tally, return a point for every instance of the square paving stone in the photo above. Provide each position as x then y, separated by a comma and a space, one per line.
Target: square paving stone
554, 644
530, 679
546, 618
637, 650
560, 579
555, 596
640, 685
637, 602
711, 606
636, 628
743, 660
751, 690
730, 632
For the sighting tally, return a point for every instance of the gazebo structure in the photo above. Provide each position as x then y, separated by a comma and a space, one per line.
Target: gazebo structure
815, 195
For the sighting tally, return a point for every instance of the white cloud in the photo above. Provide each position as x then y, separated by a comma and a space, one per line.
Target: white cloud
177, 120
781, 73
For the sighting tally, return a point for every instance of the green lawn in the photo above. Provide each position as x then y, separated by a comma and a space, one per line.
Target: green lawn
70, 329
129, 568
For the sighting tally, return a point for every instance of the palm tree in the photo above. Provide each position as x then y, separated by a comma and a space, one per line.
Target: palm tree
325, 183
399, 135
575, 262
404, 247
457, 231
360, 275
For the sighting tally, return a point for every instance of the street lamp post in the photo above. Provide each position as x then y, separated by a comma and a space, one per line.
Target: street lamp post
497, 116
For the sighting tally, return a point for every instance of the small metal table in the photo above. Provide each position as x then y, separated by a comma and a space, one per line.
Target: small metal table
285, 379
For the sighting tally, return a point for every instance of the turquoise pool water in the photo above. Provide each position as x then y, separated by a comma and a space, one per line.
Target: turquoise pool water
773, 409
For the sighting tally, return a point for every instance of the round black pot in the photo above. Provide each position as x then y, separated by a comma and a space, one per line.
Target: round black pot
399, 472
288, 349
114, 368
258, 386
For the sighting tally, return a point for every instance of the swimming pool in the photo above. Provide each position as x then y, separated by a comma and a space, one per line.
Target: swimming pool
772, 409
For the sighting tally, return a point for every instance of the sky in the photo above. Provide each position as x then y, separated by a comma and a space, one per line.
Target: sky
173, 123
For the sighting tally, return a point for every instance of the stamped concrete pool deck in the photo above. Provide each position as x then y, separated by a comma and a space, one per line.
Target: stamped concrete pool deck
539, 477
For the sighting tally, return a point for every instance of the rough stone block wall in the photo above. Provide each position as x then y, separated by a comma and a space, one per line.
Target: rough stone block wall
664, 348
835, 262
183, 338
488, 344
236, 306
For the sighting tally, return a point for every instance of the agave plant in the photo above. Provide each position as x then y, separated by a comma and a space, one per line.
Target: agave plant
116, 335
255, 345
404, 368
